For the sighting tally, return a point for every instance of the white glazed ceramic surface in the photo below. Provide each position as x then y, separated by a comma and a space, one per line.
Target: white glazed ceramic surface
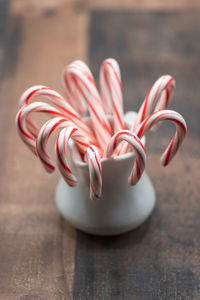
121, 208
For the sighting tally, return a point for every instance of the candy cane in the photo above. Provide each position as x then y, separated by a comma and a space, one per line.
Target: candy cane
92, 157
165, 84
44, 91
161, 91
95, 172
138, 148
111, 91
46, 131
25, 112
73, 95
86, 86
175, 143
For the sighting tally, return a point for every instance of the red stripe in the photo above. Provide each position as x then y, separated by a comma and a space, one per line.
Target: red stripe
33, 92
56, 125
71, 134
101, 119
129, 134
117, 78
68, 111
145, 106
65, 167
33, 133
46, 163
78, 136
69, 179
21, 129
31, 124
178, 142
99, 166
168, 154
95, 174
118, 116
147, 98
80, 68
107, 104
42, 134
138, 140
140, 132
33, 129
158, 89
137, 169
82, 143
50, 132
94, 193
36, 109
170, 81
167, 98
116, 74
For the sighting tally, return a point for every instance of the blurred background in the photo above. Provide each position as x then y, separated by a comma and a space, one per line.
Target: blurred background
43, 257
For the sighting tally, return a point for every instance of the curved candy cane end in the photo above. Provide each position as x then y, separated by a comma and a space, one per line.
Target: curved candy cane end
95, 172
33, 149
50, 170
21, 131
74, 184
65, 171
72, 181
130, 180
47, 166
138, 148
94, 196
164, 161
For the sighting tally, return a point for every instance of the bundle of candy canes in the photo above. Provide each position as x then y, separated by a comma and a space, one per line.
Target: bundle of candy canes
100, 140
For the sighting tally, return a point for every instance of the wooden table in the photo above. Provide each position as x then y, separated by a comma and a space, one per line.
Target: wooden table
43, 257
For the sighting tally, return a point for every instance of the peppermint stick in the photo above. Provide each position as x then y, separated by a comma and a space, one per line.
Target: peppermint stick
61, 104
138, 149
176, 141
93, 158
111, 92
161, 92
85, 85
44, 134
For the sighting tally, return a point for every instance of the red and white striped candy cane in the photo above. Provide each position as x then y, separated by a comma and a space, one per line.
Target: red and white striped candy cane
95, 172
66, 109
46, 131
161, 92
24, 113
181, 129
92, 157
73, 95
138, 149
86, 86
39, 91
111, 91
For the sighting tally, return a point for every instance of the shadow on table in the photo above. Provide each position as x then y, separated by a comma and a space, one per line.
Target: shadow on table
116, 242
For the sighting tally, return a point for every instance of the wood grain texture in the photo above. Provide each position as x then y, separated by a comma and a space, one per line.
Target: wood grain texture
4, 6
160, 260
132, 5
37, 246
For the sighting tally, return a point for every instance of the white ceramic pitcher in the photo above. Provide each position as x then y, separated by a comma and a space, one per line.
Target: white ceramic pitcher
121, 207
